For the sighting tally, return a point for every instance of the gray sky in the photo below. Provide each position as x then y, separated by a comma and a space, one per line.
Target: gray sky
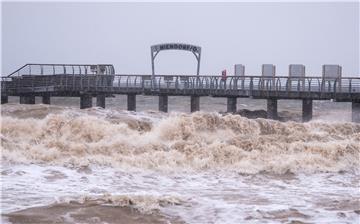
121, 34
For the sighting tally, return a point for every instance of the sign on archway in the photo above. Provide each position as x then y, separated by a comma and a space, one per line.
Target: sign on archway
155, 49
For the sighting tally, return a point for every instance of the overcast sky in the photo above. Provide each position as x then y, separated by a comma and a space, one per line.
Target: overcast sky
121, 34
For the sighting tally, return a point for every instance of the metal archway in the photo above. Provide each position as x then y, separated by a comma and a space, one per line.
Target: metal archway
155, 49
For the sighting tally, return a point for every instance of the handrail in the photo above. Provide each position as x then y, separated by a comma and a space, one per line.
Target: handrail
18, 70
109, 68
217, 76
186, 84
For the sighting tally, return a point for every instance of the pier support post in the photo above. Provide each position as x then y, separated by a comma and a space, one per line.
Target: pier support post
100, 100
163, 103
131, 102
272, 109
4, 99
85, 101
355, 111
194, 103
231, 104
27, 99
45, 99
307, 110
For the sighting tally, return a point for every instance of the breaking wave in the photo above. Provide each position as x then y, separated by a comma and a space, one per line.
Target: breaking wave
145, 204
198, 141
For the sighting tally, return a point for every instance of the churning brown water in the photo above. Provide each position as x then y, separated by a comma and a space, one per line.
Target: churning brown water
66, 165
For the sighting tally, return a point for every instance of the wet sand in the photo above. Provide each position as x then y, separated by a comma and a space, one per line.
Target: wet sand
86, 213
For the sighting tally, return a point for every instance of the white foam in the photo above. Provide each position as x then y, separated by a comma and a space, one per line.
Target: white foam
199, 141
208, 168
196, 197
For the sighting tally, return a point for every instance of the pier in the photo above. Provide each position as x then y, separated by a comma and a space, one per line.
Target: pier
100, 81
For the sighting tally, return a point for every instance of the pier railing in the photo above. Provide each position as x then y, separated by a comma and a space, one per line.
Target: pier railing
64, 69
179, 84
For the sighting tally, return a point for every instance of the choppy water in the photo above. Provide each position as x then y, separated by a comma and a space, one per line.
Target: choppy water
202, 167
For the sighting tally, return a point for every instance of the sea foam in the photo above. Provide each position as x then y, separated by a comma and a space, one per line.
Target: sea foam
175, 142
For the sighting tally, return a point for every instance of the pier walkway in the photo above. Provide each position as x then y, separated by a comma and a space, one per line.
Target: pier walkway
100, 81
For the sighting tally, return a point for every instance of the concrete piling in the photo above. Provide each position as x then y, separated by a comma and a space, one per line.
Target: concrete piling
194, 103
231, 104
272, 109
100, 100
355, 111
163, 103
131, 102
4, 99
27, 99
307, 110
85, 101
45, 99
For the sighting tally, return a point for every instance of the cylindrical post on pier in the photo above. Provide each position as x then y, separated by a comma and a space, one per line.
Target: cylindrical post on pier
27, 99
272, 108
307, 110
131, 102
194, 103
4, 99
85, 101
231, 104
46, 99
163, 103
100, 100
355, 111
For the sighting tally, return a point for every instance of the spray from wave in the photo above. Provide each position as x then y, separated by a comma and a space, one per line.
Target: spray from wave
198, 141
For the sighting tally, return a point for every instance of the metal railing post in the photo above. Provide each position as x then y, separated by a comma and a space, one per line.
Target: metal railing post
251, 86
350, 85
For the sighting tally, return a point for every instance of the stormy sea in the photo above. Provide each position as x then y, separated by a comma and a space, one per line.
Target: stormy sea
61, 164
